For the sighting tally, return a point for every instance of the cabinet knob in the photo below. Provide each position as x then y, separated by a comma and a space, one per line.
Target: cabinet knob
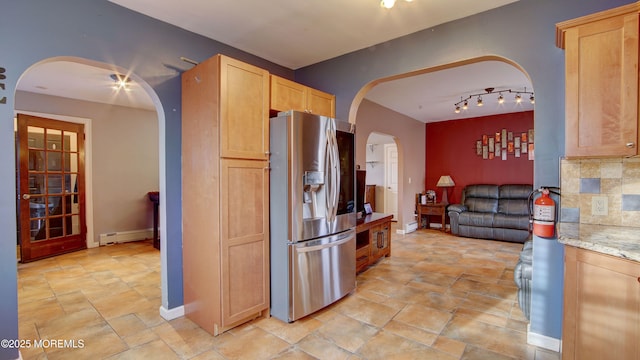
630, 145
639, 279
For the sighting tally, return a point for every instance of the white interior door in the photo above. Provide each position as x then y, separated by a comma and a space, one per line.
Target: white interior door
391, 180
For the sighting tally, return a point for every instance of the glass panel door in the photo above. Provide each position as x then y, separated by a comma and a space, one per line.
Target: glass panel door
50, 187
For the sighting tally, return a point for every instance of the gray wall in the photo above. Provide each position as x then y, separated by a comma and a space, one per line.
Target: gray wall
523, 32
34, 30
98, 30
124, 158
409, 135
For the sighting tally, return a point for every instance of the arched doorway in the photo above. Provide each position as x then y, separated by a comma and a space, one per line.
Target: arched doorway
382, 172
410, 131
125, 151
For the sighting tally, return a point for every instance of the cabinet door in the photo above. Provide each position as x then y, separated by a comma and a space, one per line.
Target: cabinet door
379, 241
602, 306
321, 103
374, 238
244, 239
287, 95
602, 87
244, 110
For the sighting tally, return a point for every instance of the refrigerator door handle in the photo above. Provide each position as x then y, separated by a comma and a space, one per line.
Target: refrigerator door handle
336, 152
333, 173
328, 167
336, 172
305, 248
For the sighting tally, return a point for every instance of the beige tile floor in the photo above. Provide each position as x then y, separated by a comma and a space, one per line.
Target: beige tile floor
437, 297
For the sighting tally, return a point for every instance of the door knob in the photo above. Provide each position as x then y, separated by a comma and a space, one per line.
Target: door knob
26, 196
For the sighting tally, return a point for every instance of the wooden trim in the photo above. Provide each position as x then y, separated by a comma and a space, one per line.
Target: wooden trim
562, 27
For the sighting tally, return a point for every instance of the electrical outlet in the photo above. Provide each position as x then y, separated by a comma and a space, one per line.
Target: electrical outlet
600, 206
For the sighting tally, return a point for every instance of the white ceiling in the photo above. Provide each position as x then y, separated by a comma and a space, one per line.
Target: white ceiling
281, 31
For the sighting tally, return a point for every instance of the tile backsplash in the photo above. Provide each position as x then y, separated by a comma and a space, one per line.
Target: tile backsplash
586, 183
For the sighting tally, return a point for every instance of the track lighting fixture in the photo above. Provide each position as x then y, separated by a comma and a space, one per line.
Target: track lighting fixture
465, 101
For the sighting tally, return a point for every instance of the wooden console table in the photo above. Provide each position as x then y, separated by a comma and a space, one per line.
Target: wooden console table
154, 197
373, 239
431, 209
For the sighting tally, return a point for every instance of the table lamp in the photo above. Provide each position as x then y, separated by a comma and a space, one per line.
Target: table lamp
445, 182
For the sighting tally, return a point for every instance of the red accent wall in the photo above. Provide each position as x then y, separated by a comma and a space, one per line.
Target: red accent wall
451, 150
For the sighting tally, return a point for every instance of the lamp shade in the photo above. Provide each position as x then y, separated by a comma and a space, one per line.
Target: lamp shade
445, 181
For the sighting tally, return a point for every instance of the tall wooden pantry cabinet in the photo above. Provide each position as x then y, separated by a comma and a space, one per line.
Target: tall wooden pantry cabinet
225, 193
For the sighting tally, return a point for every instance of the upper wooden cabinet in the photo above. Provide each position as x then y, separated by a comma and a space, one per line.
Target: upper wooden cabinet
244, 110
289, 95
601, 52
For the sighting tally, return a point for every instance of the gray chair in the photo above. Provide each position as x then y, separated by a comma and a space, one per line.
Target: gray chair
522, 277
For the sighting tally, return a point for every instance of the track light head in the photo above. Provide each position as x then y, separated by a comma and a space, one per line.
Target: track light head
518, 98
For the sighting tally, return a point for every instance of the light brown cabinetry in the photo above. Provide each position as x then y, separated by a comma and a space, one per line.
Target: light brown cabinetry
601, 306
373, 239
601, 63
225, 196
289, 95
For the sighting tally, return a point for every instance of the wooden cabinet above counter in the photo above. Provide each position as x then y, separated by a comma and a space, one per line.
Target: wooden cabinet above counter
289, 95
601, 64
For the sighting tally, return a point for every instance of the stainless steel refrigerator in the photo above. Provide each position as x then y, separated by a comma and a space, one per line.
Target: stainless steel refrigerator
313, 215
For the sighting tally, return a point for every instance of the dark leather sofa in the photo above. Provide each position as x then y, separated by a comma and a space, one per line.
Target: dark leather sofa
498, 212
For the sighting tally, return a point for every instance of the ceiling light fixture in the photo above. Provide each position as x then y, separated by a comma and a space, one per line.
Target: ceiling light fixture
388, 4
465, 101
121, 81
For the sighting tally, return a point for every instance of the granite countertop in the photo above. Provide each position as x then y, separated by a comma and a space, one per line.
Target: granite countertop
620, 241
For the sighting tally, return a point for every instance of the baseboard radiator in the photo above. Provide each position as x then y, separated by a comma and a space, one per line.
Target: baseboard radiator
411, 227
125, 236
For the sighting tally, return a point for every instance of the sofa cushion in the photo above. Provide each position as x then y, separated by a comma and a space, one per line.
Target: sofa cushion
515, 191
481, 205
514, 199
481, 198
513, 206
484, 219
507, 221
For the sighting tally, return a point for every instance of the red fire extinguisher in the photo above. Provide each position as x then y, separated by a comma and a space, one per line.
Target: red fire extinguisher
544, 215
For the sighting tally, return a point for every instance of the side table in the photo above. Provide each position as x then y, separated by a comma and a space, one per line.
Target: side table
154, 197
427, 210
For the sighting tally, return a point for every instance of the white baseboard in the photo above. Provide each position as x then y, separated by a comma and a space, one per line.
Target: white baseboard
543, 341
170, 314
125, 236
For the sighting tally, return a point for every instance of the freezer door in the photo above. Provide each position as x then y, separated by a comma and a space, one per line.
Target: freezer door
322, 271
